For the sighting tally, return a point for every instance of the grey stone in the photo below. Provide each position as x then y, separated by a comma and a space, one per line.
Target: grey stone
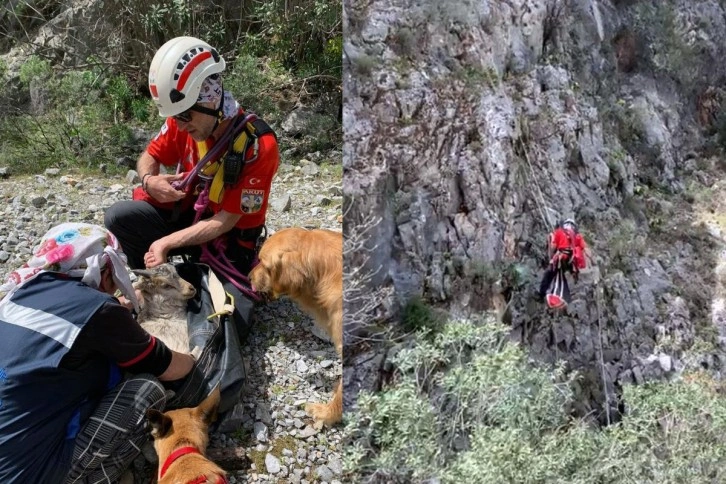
260, 431
322, 200
282, 203
301, 366
308, 431
311, 170
52, 172
132, 177
233, 420
335, 465
272, 464
324, 473
262, 412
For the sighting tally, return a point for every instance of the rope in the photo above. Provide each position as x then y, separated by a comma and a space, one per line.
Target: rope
221, 264
602, 362
543, 213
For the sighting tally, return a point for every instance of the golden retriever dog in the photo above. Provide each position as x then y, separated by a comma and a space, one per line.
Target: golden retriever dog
163, 302
180, 440
307, 266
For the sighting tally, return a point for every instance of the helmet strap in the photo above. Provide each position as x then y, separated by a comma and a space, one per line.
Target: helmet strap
219, 114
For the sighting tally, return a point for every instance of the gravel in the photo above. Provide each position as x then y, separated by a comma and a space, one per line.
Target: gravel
286, 363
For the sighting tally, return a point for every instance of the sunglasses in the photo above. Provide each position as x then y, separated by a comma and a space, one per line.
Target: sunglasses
186, 116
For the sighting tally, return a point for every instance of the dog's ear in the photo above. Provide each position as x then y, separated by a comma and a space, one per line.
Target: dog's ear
157, 423
207, 410
291, 274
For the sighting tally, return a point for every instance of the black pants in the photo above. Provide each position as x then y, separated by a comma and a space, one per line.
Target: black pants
550, 274
137, 224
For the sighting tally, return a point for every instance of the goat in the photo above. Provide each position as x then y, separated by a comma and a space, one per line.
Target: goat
163, 301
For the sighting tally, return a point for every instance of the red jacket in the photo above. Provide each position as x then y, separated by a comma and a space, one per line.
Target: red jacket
562, 239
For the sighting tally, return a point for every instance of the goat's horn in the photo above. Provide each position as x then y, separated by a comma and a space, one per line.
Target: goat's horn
142, 272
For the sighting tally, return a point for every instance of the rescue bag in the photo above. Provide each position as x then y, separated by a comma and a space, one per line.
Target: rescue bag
214, 316
558, 294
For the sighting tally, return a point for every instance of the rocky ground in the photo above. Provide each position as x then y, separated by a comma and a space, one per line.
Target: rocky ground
267, 437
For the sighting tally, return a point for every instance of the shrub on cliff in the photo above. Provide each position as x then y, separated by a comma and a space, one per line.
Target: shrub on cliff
467, 406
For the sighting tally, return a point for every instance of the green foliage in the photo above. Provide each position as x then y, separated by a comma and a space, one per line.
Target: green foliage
624, 240
257, 83
120, 93
466, 377
666, 39
306, 38
76, 89
418, 316
468, 407
142, 109
34, 67
621, 116
279, 55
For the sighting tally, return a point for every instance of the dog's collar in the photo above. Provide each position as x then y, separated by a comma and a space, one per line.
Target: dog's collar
174, 456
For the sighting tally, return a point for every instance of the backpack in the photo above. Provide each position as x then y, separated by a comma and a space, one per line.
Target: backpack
578, 255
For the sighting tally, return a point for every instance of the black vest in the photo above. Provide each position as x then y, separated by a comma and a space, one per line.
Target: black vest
41, 405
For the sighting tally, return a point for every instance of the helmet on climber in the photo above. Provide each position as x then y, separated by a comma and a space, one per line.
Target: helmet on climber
177, 72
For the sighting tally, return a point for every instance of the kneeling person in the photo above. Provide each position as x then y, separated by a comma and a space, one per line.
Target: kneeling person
66, 413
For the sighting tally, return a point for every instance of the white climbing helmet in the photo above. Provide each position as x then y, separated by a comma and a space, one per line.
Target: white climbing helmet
570, 222
177, 71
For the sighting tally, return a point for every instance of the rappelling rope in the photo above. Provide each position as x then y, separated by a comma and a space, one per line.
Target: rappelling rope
539, 196
602, 362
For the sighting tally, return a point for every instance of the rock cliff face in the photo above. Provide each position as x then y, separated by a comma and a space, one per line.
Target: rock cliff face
472, 127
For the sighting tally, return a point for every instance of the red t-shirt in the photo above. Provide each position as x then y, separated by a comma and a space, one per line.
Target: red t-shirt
249, 197
561, 240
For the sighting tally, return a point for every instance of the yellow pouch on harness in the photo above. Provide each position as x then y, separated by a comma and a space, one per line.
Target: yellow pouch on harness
216, 189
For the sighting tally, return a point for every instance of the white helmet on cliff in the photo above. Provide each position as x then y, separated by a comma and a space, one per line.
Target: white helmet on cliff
569, 222
177, 71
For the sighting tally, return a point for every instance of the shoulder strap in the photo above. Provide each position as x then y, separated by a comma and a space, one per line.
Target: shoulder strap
219, 295
247, 136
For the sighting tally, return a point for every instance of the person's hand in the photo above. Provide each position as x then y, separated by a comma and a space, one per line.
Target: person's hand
159, 187
156, 255
128, 304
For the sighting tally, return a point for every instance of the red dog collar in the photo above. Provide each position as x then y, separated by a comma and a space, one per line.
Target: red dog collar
174, 456
184, 451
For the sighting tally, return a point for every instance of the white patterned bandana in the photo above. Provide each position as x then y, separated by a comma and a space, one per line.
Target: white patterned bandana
78, 250
211, 92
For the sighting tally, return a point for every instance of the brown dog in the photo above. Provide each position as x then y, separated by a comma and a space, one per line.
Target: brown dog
180, 440
307, 266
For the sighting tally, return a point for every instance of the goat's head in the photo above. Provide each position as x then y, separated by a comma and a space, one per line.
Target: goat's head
163, 291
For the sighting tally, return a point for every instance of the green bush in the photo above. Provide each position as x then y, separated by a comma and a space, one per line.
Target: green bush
32, 68
468, 407
419, 316
256, 83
